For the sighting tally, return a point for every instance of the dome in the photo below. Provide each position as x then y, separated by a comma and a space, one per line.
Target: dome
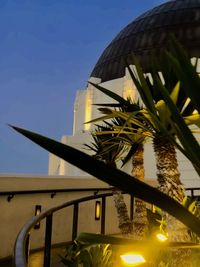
150, 32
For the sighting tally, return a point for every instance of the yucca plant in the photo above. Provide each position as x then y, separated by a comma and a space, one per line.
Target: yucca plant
162, 128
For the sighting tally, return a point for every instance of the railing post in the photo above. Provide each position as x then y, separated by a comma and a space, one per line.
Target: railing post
192, 192
75, 222
131, 207
48, 234
103, 214
27, 248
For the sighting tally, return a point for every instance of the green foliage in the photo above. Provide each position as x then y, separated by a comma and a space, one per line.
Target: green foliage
193, 206
105, 145
157, 254
168, 110
78, 255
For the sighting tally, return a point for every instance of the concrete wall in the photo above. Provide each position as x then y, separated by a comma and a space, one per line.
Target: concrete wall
21, 208
16, 212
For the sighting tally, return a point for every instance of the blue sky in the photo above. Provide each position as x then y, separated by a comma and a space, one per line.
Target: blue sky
48, 49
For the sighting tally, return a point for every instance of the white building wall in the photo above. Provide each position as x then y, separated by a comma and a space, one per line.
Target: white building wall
79, 111
77, 141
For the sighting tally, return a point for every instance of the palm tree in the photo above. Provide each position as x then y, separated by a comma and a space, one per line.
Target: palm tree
127, 135
164, 131
161, 127
108, 151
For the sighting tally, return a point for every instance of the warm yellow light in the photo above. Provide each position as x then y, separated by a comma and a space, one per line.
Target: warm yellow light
97, 210
132, 259
195, 112
88, 111
161, 237
128, 91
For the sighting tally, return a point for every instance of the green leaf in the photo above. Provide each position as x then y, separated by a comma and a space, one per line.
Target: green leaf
115, 177
185, 71
184, 134
88, 238
111, 94
175, 92
142, 86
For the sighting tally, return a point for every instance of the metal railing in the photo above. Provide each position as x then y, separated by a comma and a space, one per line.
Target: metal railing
21, 250
53, 192
11, 194
191, 191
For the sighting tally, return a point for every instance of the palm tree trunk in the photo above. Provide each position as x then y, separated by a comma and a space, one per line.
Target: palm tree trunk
169, 182
140, 222
167, 169
125, 224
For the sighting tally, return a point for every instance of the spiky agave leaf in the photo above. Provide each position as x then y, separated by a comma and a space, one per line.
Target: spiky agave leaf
89, 238
191, 148
115, 177
185, 71
176, 126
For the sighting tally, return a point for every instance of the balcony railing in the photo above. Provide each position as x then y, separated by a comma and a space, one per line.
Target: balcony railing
21, 250
52, 192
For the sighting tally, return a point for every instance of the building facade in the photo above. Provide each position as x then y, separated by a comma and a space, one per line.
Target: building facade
147, 33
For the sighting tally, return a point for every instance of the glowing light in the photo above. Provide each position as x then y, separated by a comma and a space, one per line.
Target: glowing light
195, 112
132, 259
88, 111
128, 91
162, 237
97, 210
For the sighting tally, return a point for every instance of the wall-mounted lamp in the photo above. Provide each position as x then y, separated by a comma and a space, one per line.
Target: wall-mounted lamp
97, 210
38, 209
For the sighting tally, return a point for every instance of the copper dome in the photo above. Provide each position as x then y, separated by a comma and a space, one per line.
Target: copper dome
149, 32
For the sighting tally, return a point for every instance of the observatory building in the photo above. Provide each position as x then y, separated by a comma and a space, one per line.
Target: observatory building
147, 33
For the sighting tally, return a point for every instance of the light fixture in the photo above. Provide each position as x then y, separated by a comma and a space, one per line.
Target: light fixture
132, 259
97, 210
38, 209
161, 237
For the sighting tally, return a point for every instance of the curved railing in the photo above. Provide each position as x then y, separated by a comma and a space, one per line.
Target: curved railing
21, 246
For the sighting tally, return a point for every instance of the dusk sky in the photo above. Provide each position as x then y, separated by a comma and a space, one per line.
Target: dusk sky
48, 49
